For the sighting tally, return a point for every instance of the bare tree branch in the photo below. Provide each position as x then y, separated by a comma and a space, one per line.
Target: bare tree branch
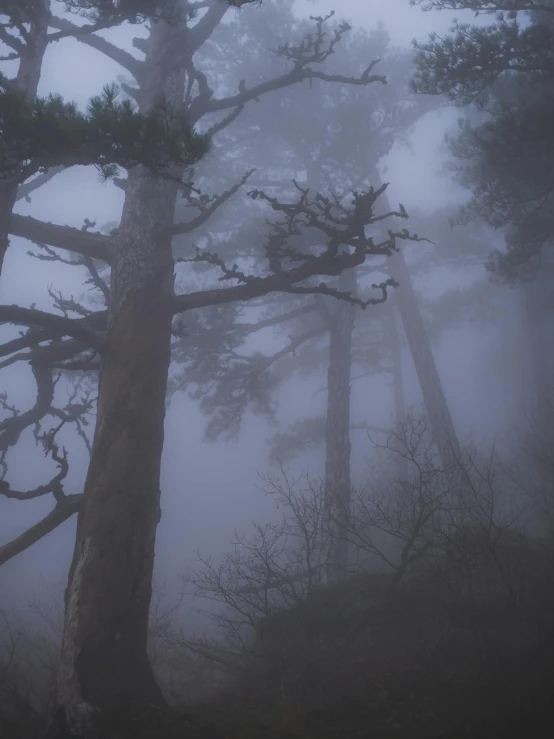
126, 60
55, 518
323, 289
486, 6
202, 31
12, 427
295, 76
208, 209
78, 328
93, 245
224, 122
24, 190
50, 355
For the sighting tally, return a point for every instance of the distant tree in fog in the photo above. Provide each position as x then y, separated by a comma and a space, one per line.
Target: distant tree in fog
505, 155
330, 154
504, 152
325, 153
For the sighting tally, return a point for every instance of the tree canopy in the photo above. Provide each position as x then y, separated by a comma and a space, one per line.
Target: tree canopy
38, 134
505, 150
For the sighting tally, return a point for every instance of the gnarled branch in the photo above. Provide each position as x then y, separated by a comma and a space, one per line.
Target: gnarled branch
93, 245
126, 60
78, 328
59, 514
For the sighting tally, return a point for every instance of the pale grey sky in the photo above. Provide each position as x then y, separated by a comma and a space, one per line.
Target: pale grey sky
414, 179
403, 20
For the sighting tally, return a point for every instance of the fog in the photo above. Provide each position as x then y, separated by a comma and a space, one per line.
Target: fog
210, 489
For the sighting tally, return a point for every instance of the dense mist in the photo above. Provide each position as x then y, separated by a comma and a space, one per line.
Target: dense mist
381, 212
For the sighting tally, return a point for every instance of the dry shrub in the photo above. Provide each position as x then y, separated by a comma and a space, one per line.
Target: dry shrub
448, 585
28, 662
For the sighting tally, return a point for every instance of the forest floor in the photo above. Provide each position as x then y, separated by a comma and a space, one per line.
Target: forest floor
371, 660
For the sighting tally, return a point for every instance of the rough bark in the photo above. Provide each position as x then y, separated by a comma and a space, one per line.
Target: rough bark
337, 429
434, 398
27, 79
104, 666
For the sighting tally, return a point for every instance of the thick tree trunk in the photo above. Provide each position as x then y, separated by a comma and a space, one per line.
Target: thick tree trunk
434, 398
103, 663
27, 79
337, 430
104, 666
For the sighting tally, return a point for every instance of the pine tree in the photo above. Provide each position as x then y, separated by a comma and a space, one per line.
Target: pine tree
504, 70
504, 152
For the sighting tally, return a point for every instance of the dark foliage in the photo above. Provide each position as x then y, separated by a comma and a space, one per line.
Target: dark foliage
48, 132
110, 12
505, 151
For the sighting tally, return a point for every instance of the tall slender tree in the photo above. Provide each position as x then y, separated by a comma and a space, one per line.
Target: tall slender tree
434, 398
502, 74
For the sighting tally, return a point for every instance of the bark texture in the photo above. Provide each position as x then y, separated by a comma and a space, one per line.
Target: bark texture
337, 430
104, 665
27, 79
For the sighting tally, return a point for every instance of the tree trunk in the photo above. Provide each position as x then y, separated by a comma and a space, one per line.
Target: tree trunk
104, 666
27, 79
539, 311
538, 298
434, 399
399, 397
337, 430
8, 193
